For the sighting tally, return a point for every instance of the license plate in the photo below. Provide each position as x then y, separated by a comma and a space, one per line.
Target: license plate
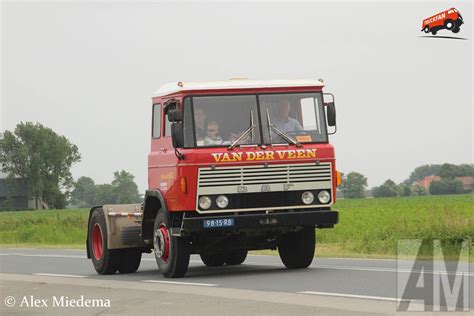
218, 222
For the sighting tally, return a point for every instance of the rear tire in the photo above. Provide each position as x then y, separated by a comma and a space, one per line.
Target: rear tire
236, 257
105, 261
129, 260
213, 259
171, 252
296, 249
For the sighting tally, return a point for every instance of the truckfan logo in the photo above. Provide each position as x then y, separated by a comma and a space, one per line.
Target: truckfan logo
450, 20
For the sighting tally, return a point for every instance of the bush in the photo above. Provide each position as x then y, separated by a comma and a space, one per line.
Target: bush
388, 189
446, 186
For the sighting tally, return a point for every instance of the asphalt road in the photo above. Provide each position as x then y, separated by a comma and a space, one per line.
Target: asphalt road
360, 282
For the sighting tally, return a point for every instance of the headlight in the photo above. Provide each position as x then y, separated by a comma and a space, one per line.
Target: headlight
222, 201
307, 197
205, 202
324, 197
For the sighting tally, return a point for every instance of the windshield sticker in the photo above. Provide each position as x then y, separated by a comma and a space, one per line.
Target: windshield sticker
304, 138
265, 155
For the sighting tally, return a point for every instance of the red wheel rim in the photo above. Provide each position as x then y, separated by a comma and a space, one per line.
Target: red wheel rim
161, 243
166, 243
97, 245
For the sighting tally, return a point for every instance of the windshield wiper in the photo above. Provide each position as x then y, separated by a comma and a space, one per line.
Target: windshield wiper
282, 134
248, 131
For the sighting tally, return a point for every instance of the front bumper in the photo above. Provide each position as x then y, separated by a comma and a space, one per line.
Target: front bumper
313, 217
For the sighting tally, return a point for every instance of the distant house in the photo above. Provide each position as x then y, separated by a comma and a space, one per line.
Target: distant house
426, 181
14, 195
467, 182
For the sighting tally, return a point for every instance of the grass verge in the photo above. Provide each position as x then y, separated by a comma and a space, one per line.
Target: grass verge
368, 228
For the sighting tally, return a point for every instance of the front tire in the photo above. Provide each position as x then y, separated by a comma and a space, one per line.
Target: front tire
456, 29
296, 249
449, 24
236, 257
171, 252
213, 259
426, 29
105, 261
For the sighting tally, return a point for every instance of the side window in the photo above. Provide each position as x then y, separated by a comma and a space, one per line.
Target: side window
167, 127
156, 129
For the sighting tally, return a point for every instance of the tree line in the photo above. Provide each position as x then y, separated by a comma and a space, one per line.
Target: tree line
354, 184
122, 190
42, 159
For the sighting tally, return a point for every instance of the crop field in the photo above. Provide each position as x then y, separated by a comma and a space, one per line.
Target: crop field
367, 227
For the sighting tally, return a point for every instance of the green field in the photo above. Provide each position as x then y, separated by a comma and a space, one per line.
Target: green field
367, 227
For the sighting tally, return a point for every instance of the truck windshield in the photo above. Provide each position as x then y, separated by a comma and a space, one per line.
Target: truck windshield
299, 116
211, 121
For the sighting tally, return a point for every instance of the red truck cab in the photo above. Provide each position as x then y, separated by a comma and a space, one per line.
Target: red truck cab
234, 166
450, 19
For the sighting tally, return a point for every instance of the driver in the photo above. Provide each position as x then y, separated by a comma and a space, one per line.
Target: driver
282, 121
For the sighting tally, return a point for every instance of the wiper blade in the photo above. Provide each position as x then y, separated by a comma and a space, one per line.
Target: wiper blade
280, 133
248, 131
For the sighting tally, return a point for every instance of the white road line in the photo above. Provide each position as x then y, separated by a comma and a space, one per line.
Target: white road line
180, 283
394, 270
61, 275
367, 297
43, 255
354, 268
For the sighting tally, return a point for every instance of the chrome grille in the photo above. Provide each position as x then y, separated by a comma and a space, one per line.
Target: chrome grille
264, 174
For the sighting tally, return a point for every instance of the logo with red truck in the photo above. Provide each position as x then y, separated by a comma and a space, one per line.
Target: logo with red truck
450, 20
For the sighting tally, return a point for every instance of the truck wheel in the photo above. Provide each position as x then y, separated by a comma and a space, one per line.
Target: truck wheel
213, 259
434, 32
296, 249
171, 252
129, 260
105, 261
426, 29
236, 257
449, 24
456, 29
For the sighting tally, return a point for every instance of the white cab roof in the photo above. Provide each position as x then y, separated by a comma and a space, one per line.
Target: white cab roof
174, 87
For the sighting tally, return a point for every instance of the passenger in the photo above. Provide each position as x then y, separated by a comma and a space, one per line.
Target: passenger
213, 137
200, 117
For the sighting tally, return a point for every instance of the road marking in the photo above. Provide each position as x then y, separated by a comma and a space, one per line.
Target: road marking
395, 270
179, 283
43, 255
354, 268
61, 275
367, 297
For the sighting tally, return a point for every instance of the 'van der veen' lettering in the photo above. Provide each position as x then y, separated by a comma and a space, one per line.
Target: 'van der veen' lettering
265, 155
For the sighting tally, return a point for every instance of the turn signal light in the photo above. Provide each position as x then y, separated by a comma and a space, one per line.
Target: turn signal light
338, 179
183, 185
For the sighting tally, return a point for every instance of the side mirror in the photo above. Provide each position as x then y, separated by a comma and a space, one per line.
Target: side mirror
331, 113
177, 134
175, 116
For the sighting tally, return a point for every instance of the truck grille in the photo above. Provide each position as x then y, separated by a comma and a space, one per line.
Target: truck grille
263, 187
269, 174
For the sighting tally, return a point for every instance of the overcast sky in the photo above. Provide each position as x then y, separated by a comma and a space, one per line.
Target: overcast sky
88, 71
